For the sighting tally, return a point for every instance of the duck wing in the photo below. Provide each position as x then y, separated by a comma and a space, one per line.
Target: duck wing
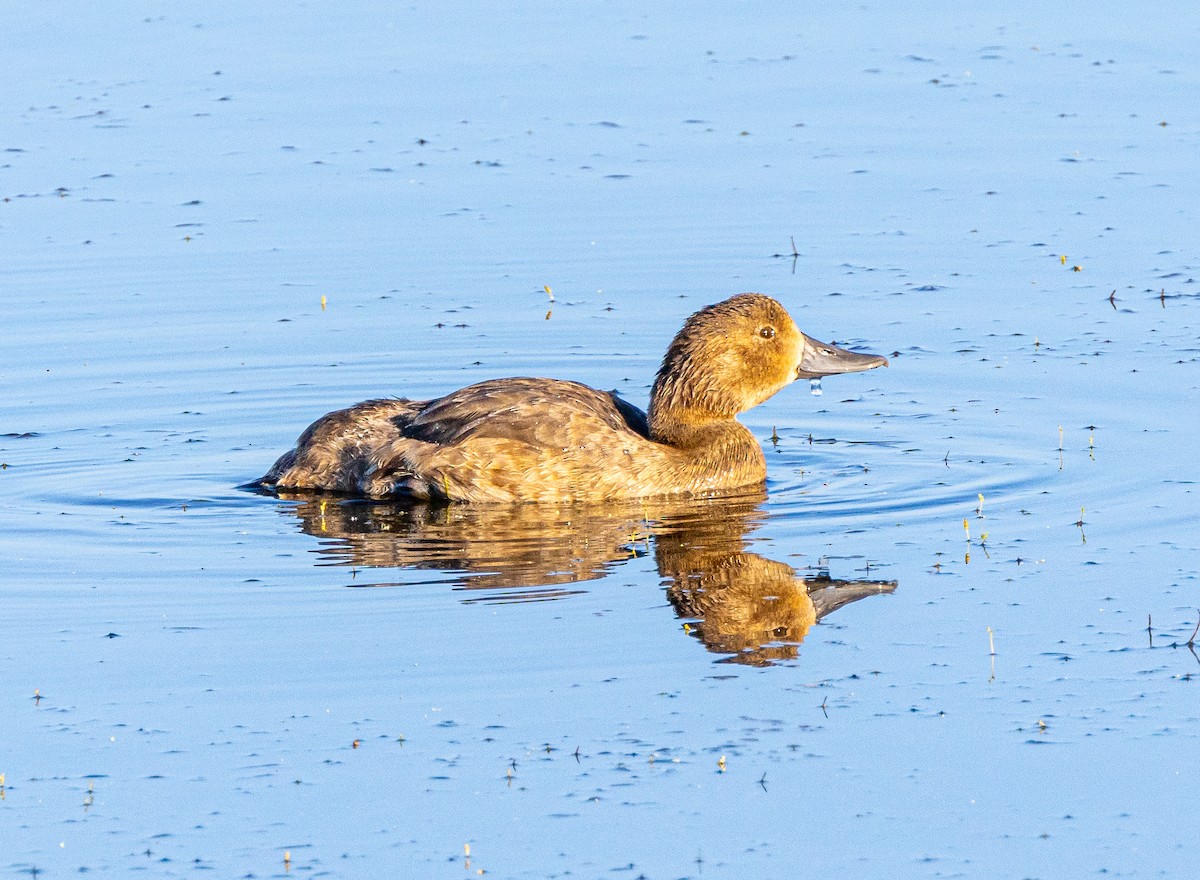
514, 440
536, 412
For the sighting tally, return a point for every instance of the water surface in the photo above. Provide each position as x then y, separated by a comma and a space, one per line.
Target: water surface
953, 634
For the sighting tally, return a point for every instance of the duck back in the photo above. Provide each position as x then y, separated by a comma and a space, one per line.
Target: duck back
503, 440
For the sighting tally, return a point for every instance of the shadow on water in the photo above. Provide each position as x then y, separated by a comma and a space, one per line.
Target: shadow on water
752, 609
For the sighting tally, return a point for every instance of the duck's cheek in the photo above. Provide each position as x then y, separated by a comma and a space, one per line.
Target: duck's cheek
781, 382
795, 360
780, 371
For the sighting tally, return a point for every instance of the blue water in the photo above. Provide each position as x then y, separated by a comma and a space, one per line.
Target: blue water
219, 222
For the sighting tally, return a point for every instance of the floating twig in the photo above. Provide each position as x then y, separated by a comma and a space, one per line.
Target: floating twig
795, 254
992, 655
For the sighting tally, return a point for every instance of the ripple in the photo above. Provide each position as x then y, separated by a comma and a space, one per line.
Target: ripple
843, 482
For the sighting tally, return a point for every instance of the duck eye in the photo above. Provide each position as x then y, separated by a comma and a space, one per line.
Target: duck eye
766, 332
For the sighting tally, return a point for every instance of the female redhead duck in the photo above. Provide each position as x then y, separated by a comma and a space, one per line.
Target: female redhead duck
510, 440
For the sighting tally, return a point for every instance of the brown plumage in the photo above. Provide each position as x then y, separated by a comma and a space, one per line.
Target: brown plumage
549, 440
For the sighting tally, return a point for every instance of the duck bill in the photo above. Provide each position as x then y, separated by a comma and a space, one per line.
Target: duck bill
824, 359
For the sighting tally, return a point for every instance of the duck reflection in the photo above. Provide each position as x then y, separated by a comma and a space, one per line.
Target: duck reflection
752, 609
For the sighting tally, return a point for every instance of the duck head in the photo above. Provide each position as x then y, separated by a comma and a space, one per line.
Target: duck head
732, 356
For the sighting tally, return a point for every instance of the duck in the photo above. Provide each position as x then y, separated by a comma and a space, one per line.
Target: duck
522, 439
